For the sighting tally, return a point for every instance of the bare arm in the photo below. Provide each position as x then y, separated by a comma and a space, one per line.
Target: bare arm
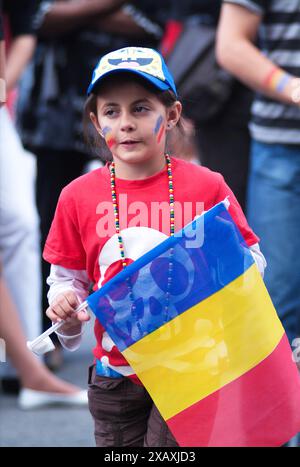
65, 16
118, 22
20, 53
237, 53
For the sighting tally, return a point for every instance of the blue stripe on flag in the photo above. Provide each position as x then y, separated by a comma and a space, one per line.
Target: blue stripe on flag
197, 273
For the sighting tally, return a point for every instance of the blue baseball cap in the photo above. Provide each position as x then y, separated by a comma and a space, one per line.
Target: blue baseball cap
142, 61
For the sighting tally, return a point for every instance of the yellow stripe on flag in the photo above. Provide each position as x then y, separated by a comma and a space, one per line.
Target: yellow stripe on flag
208, 346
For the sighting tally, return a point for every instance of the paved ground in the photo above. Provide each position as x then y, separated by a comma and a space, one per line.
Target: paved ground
63, 427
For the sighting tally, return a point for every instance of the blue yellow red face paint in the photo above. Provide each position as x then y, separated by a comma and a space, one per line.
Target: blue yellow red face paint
159, 128
110, 141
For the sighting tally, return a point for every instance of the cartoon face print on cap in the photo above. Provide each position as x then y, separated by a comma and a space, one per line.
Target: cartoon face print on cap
134, 58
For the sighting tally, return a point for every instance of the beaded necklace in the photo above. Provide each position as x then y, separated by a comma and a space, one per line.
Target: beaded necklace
120, 239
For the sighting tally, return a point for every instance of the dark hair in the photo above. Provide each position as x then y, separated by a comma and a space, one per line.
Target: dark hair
92, 138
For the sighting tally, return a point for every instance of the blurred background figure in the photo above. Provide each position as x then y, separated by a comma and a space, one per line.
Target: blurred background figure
19, 234
71, 37
19, 245
220, 121
272, 68
259, 42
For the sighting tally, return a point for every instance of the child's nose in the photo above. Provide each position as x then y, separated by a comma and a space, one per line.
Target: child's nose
127, 123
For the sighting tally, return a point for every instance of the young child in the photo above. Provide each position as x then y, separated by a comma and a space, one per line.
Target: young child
109, 218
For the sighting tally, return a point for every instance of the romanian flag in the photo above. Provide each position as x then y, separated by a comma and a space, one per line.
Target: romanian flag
194, 320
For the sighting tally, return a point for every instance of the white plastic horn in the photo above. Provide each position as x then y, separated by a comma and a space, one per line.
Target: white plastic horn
43, 343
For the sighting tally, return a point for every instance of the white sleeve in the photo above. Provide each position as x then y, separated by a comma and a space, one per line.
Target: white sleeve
60, 280
258, 258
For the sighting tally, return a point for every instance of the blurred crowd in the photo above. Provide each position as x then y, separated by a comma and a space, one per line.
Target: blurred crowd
248, 130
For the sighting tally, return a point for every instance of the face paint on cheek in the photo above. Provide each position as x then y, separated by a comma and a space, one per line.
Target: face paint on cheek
110, 141
158, 124
161, 132
159, 128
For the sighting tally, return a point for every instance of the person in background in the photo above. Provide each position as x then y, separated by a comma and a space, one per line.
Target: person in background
39, 386
258, 41
223, 139
19, 233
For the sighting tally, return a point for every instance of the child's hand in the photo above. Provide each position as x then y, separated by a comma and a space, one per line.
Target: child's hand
63, 309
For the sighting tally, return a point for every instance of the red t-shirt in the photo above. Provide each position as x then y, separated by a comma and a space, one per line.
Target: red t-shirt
83, 235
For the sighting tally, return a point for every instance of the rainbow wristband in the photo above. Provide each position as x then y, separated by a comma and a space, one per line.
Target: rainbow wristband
277, 80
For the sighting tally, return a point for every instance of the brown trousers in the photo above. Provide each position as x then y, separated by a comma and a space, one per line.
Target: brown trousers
124, 414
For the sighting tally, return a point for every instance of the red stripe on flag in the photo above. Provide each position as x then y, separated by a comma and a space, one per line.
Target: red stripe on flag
261, 408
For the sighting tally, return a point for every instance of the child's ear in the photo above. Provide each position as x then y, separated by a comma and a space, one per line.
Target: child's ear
96, 123
173, 115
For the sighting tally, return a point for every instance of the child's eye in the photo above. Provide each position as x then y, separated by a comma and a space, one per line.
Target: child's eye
110, 113
141, 108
